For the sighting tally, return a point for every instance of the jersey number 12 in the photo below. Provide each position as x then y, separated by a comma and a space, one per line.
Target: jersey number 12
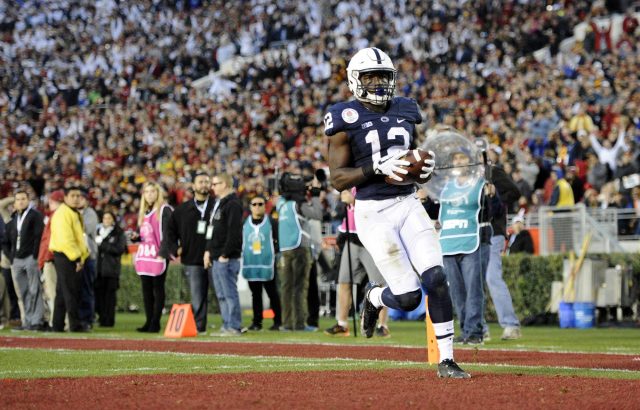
373, 138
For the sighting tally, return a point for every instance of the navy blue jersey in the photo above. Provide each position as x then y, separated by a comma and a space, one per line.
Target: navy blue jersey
374, 135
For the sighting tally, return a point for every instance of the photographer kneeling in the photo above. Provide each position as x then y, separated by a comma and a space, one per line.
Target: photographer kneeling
297, 205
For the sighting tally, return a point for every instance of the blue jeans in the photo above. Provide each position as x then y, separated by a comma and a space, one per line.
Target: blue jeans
225, 281
199, 287
464, 273
497, 288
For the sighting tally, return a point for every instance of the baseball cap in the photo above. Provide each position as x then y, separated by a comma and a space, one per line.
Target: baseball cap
199, 173
559, 172
518, 218
57, 196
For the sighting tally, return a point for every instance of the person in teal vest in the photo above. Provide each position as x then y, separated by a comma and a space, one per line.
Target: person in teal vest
465, 213
295, 249
259, 248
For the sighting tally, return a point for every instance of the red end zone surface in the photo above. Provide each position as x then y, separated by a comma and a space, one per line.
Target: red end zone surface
388, 389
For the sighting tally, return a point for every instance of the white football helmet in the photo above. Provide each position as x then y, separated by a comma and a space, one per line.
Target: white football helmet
368, 60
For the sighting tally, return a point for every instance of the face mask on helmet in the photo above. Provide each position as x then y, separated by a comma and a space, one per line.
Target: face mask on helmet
372, 76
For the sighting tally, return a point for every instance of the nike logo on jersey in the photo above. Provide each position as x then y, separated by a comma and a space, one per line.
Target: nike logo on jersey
399, 120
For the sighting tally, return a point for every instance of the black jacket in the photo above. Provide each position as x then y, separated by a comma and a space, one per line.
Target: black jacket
110, 252
227, 229
168, 246
30, 235
523, 243
509, 194
183, 232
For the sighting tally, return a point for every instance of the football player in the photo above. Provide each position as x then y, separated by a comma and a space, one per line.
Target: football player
370, 135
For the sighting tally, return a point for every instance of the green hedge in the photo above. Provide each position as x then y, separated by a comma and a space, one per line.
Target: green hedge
529, 281
528, 278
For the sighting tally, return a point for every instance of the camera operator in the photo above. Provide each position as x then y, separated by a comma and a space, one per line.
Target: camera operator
299, 214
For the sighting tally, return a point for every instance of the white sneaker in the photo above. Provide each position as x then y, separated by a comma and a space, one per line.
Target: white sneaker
486, 336
230, 332
511, 333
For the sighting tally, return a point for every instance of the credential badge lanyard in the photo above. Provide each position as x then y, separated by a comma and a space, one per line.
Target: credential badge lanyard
202, 223
256, 244
19, 223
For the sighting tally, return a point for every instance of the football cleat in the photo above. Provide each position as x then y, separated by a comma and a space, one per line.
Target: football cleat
369, 312
450, 369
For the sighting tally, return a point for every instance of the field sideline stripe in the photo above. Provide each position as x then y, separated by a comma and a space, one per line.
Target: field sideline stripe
312, 343
294, 359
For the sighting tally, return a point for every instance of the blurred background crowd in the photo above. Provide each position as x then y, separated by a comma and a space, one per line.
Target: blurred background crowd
107, 93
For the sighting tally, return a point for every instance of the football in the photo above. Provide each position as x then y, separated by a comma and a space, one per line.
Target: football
416, 158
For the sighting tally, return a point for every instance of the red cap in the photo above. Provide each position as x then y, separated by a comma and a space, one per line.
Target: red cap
57, 196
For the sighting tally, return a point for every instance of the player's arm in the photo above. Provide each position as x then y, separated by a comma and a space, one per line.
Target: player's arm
414, 140
343, 175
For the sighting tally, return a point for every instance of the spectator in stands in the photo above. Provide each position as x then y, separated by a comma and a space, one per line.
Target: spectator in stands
581, 121
607, 152
154, 251
577, 186
112, 244
259, 248
45, 258
627, 165
87, 308
70, 251
22, 243
523, 186
528, 168
590, 198
598, 173
223, 250
520, 241
562, 194
189, 230
123, 118
630, 22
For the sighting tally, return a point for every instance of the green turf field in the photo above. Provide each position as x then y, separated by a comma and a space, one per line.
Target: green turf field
42, 363
540, 338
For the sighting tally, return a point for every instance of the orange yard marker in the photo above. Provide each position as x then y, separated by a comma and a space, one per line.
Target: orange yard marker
433, 354
181, 322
